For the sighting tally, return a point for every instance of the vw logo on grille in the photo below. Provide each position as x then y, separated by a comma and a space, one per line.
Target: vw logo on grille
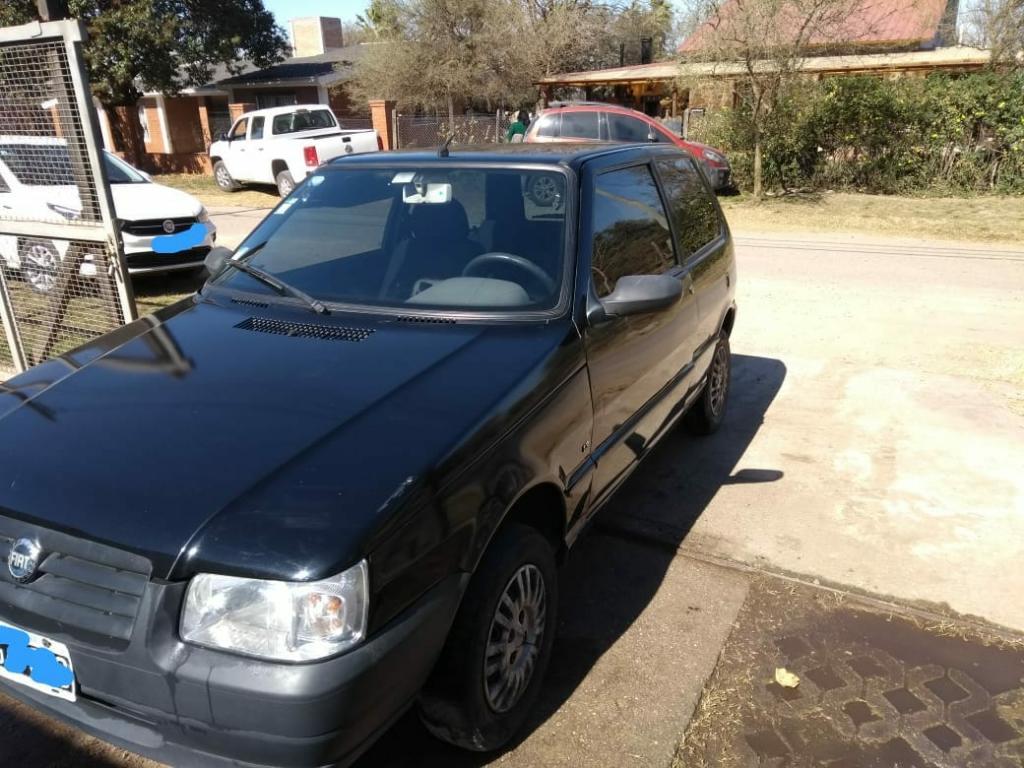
24, 559
169, 227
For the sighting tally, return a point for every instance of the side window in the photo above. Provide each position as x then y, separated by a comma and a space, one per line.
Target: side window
631, 232
238, 130
626, 128
548, 125
580, 125
257, 128
693, 212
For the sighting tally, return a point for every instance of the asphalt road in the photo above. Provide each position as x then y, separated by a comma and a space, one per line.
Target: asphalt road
875, 441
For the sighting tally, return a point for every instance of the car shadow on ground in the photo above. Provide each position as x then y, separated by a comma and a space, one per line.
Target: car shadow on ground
603, 591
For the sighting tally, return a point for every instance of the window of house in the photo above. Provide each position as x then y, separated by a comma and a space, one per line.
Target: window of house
144, 123
626, 128
631, 231
238, 130
257, 127
693, 211
580, 125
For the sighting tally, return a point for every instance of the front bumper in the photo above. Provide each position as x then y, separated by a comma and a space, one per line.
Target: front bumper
186, 705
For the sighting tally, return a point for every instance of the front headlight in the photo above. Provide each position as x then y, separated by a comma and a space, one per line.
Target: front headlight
71, 214
204, 216
278, 620
714, 157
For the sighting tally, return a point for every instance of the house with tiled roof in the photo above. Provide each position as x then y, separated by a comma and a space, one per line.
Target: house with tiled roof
883, 37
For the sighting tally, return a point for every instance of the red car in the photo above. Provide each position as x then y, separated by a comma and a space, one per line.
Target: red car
589, 121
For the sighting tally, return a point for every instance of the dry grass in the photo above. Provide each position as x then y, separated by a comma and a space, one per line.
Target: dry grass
983, 219
204, 188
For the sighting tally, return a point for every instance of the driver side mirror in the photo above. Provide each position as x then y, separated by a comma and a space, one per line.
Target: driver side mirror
637, 294
216, 259
225, 137
652, 137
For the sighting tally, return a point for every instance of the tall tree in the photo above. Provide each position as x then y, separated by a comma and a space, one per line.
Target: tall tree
165, 45
758, 48
999, 26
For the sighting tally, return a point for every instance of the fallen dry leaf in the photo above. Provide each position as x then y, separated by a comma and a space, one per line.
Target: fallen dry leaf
785, 678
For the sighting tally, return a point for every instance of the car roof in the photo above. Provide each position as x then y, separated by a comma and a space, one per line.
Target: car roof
554, 153
595, 106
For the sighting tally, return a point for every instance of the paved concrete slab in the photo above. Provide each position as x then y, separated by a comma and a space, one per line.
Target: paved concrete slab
234, 223
876, 431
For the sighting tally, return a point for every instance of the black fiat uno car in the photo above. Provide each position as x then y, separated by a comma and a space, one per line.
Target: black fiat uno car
258, 525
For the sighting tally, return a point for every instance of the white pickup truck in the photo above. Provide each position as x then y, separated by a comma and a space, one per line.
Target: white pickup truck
282, 145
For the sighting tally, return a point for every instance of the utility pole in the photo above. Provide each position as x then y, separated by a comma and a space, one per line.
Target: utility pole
52, 10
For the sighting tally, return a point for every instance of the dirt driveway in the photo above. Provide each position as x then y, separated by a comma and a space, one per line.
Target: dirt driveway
875, 441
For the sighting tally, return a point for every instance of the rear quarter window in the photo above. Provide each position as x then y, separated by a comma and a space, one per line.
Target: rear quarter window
691, 206
548, 126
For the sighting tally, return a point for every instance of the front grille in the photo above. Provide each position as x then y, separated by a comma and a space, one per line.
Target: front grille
305, 330
153, 227
149, 259
84, 590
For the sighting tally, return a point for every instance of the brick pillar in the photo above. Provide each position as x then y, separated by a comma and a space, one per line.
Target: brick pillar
204, 125
239, 108
381, 110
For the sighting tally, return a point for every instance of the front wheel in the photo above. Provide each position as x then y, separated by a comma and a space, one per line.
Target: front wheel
39, 263
492, 666
705, 416
223, 177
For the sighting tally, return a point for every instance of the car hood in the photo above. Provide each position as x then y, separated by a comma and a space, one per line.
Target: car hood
132, 202
206, 438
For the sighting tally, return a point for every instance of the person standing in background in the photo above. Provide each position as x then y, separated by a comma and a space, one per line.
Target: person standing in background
517, 131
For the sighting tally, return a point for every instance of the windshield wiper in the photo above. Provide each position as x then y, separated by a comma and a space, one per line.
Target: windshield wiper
277, 284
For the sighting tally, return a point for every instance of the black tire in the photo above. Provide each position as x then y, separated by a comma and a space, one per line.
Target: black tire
285, 183
39, 264
706, 414
461, 703
222, 177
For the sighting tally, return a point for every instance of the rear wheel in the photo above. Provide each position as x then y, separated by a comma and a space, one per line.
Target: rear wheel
705, 416
39, 263
492, 666
285, 183
222, 176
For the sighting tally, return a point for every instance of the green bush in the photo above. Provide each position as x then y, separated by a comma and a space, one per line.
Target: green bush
940, 134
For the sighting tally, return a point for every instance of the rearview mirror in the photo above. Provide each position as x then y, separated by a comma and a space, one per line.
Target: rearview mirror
216, 259
636, 294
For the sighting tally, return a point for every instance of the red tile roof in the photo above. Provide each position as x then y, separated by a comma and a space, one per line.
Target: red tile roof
868, 23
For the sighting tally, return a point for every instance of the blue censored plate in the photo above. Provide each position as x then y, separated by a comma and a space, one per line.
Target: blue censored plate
192, 237
32, 660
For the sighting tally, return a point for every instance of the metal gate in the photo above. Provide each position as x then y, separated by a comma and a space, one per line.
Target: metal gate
62, 273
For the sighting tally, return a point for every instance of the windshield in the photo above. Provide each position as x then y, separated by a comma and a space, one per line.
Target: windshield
49, 165
453, 238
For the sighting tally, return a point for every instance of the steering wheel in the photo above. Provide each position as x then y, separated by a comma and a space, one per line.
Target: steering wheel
497, 258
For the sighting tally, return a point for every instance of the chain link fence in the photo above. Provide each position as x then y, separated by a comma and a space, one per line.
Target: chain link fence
427, 131
61, 272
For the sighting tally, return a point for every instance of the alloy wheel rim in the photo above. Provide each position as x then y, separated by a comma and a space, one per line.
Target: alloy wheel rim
222, 176
286, 188
42, 272
719, 381
514, 638
544, 190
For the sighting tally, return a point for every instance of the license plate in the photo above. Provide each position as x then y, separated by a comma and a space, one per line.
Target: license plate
36, 662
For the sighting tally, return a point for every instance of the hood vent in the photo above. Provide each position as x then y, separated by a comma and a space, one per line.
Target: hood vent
305, 330
251, 303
